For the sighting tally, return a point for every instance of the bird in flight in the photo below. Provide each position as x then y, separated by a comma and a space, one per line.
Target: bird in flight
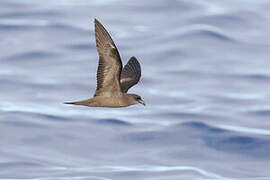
113, 81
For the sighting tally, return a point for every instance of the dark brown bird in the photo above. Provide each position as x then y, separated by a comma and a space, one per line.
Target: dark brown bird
113, 82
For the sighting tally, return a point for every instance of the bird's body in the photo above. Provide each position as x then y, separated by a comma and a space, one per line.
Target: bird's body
113, 82
122, 100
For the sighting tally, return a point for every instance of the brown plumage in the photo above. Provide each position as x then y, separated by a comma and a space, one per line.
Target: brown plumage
112, 82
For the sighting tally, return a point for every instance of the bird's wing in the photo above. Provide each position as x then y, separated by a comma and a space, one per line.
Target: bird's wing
110, 65
130, 74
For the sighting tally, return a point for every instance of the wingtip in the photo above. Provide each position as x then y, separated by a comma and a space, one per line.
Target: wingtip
133, 57
97, 24
96, 21
135, 60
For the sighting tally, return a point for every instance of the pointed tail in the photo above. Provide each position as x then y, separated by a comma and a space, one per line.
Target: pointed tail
83, 102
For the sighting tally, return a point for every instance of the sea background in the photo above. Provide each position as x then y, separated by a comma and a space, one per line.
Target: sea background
205, 80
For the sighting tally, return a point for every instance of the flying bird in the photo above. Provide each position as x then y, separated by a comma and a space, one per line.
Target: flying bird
113, 81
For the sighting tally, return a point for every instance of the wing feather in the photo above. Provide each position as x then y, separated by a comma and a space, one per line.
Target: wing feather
130, 74
110, 65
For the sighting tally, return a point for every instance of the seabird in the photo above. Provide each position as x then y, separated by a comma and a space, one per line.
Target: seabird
113, 82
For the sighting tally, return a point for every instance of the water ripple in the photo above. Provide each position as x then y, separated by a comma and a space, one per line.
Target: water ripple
110, 122
245, 129
224, 139
60, 178
33, 55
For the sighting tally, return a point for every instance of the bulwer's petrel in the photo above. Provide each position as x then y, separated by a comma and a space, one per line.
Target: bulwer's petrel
113, 82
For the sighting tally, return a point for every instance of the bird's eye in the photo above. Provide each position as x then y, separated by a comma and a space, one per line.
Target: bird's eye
138, 98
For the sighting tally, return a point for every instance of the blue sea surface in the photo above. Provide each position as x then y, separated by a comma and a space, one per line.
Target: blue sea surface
205, 80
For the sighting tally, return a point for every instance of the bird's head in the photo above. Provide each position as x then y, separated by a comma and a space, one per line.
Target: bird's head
137, 99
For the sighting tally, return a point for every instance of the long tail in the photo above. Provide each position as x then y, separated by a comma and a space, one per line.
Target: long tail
86, 102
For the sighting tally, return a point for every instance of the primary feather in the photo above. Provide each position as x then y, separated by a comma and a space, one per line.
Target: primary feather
110, 65
130, 74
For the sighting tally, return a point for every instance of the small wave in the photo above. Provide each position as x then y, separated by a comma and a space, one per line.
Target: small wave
227, 139
203, 127
113, 122
189, 115
7, 27
20, 14
19, 164
11, 24
220, 20
151, 169
19, 123
23, 24
61, 178
245, 130
53, 117
203, 174
67, 27
225, 128
81, 46
38, 115
257, 77
265, 113
146, 136
243, 145
196, 31
210, 34
33, 55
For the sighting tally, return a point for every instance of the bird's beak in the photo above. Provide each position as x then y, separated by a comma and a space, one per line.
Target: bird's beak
142, 102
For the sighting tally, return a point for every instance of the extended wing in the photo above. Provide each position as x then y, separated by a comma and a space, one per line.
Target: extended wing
130, 74
110, 65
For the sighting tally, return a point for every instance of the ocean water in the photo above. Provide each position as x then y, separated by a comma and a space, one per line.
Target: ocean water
205, 80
